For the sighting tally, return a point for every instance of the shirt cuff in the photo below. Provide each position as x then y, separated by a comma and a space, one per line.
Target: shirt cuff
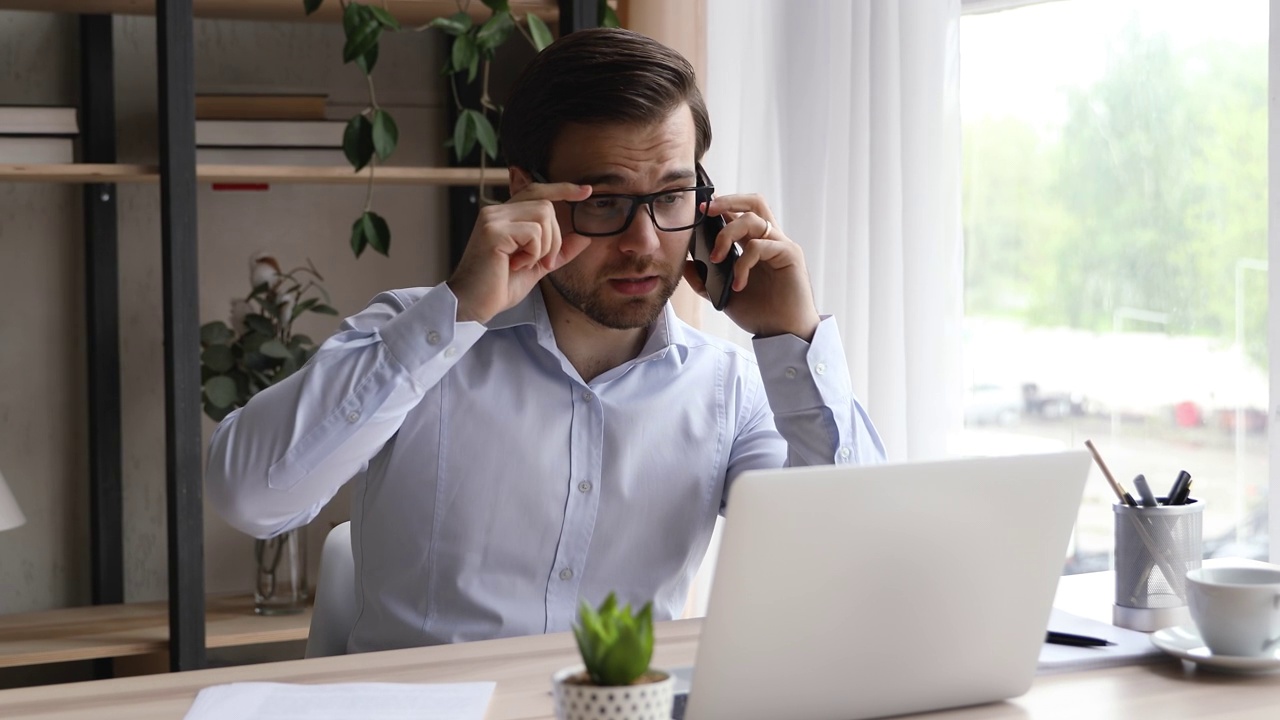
429, 331
801, 375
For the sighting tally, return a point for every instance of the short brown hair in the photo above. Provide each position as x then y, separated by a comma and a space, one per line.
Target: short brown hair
597, 76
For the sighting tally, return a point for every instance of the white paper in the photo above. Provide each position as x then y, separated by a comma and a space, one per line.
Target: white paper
1130, 647
340, 701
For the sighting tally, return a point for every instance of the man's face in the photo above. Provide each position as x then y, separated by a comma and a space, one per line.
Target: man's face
623, 281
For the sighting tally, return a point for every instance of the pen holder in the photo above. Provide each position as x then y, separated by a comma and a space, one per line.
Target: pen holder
1155, 547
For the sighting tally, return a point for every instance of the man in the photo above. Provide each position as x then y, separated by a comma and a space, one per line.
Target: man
542, 429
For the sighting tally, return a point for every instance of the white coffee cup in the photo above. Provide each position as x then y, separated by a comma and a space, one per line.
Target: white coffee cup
1236, 609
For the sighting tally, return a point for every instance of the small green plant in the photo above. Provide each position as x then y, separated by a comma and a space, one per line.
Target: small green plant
616, 645
259, 348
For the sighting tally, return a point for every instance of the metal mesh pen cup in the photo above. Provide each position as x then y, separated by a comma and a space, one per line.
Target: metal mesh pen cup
1155, 547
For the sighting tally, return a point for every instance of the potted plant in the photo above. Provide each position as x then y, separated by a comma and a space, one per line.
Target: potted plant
615, 680
237, 361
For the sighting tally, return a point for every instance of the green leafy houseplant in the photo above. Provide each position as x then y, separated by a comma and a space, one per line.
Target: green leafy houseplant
372, 134
259, 348
616, 645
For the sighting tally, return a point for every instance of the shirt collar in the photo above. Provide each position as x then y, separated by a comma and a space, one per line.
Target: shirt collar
665, 332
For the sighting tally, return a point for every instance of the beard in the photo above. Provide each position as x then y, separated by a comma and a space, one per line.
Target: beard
592, 297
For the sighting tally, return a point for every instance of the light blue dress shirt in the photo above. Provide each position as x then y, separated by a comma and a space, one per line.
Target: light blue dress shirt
494, 489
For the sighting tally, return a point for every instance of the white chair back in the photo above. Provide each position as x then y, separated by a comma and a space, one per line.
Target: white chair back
335, 609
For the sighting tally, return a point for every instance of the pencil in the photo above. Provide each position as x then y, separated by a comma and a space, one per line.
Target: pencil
1123, 496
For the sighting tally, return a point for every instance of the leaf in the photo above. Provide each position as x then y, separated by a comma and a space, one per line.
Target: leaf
311, 6
464, 136
357, 141
377, 231
216, 333
541, 33
608, 18
221, 391
455, 26
464, 52
352, 15
358, 239
386, 19
216, 414
362, 37
484, 133
498, 5
302, 307
299, 340
385, 133
275, 349
323, 310
366, 61
260, 324
495, 32
218, 358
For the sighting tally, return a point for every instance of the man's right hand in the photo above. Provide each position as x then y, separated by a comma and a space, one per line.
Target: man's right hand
513, 246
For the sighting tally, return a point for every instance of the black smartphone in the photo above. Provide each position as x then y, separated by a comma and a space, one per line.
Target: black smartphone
716, 277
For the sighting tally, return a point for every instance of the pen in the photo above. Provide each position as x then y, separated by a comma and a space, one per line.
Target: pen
1178, 488
1062, 638
1144, 491
1185, 494
1124, 497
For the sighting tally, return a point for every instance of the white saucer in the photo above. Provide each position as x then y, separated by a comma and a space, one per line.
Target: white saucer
1185, 642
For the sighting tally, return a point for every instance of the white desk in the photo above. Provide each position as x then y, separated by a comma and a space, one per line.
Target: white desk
522, 667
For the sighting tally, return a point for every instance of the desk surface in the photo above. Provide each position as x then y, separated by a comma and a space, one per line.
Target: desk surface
522, 668
108, 631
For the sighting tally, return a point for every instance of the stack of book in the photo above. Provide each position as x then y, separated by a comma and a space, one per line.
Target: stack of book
265, 129
37, 135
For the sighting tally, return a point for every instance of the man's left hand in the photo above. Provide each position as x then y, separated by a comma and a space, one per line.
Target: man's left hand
771, 290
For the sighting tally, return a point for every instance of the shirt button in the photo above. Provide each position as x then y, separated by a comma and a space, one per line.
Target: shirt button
790, 373
845, 453
820, 368
584, 486
451, 352
566, 574
433, 338
588, 397
353, 416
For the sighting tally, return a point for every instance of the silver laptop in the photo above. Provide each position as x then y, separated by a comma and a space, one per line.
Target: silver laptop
856, 592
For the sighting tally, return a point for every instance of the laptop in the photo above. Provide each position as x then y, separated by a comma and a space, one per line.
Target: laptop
846, 592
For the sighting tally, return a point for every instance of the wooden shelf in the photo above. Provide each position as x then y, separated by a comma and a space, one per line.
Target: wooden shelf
408, 12
293, 174
112, 631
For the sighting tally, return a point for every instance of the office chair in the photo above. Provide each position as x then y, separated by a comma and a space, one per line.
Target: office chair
335, 608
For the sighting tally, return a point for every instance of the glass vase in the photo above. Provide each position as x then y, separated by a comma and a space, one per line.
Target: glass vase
280, 586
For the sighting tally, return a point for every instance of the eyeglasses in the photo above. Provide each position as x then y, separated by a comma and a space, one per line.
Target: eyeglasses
605, 214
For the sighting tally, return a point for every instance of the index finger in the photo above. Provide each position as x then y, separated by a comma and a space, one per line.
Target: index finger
552, 192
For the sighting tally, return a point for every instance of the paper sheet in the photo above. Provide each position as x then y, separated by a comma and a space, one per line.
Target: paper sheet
1131, 647
340, 701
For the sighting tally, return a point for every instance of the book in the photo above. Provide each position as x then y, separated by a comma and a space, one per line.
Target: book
218, 106
1130, 647
36, 150
316, 157
38, 120
270, 133
372, 700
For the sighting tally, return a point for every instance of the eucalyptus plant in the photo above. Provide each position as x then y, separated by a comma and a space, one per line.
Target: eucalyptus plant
616, 645
371, 135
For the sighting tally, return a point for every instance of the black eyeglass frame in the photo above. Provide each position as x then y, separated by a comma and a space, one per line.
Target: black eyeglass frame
703, 194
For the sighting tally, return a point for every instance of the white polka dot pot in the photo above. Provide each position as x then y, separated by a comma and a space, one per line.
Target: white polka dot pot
642, 701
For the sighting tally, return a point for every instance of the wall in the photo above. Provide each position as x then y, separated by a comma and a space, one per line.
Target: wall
43, 437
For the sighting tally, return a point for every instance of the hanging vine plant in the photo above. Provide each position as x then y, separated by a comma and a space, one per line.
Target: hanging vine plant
371, 135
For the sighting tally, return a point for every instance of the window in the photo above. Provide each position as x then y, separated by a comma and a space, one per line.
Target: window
1115, 226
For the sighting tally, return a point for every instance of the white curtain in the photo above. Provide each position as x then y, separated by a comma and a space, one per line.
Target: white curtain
844, 115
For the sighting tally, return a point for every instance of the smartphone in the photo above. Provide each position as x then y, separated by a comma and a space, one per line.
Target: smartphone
716, 277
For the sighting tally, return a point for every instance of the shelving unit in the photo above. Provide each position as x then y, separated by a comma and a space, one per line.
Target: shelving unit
294, 174
408, 12
178, 175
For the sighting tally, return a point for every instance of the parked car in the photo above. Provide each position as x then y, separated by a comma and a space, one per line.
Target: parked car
989, 404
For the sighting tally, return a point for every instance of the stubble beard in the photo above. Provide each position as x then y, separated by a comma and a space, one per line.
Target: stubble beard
594, 299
